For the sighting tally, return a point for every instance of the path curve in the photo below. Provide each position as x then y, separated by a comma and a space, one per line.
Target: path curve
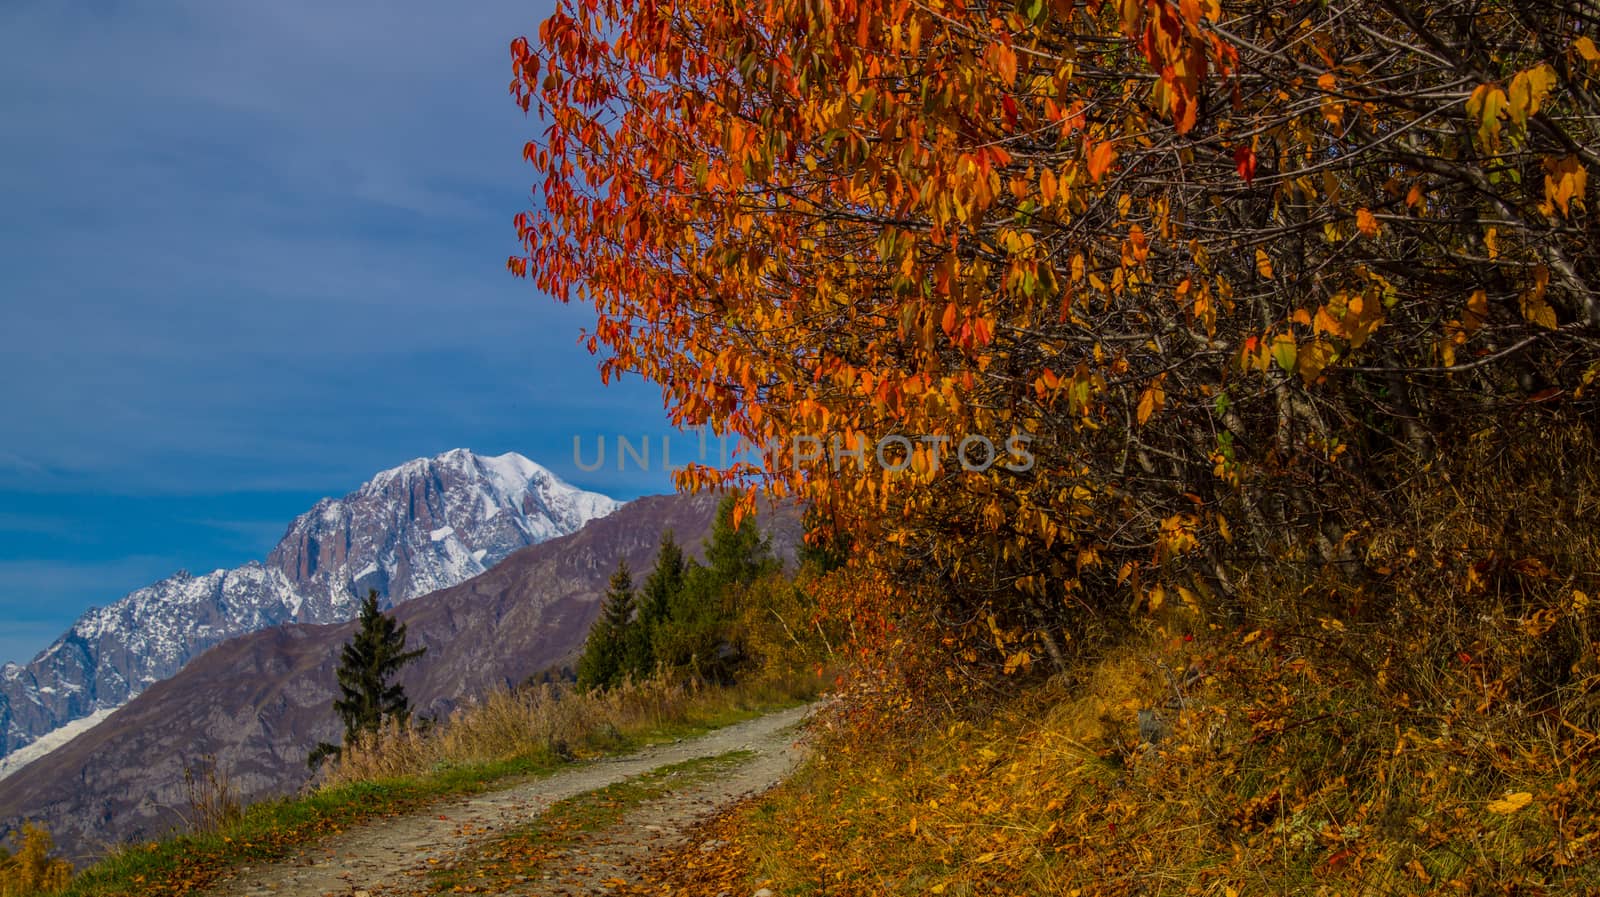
384, 855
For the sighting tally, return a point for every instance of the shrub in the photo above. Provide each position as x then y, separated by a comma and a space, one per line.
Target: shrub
31, 870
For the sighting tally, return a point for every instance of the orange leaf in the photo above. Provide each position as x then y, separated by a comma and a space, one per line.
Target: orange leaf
1587, 49
1100, 157
1367, 223
1263, 264
1150, 401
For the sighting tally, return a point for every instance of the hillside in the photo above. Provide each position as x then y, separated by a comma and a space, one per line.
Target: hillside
425, 525
258, 703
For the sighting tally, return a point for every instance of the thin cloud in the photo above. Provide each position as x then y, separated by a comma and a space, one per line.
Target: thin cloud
271, 250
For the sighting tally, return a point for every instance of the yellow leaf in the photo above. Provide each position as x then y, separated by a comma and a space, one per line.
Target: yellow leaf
1492, 109
1477, 311
1565, 181
1535, 310
1528, 92
985, 858
1511, 803
1158, 597
1315, 357
1586, 49
1263, 264
1284, 351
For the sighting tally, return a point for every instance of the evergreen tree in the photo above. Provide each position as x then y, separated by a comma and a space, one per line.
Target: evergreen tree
737, 554
603, 663
697, 631
655, 605
663, 582
372, 657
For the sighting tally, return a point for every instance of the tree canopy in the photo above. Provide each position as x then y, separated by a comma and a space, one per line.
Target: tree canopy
1231, 268
687, 617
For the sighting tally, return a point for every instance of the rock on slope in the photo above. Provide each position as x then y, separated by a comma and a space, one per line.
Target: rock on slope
259, 702
423, 526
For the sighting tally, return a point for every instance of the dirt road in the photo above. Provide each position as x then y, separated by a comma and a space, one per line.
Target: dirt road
392, 856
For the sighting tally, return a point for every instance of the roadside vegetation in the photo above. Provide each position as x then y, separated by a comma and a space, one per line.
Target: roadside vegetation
759, 655
31, 869
1433, 730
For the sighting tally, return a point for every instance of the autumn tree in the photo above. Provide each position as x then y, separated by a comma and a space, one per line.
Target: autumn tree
1231, 269
31, 870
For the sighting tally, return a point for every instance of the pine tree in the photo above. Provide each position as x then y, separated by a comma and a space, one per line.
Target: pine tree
602, 664
368, 663
655, 604
663, 582
697, 631
737, 554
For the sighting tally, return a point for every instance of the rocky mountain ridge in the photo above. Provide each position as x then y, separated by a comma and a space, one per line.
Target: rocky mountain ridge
414, 529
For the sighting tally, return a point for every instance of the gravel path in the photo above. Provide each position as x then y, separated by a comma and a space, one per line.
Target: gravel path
389, 856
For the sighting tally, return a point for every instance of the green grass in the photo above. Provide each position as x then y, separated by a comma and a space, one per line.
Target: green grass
271, 830
523, 852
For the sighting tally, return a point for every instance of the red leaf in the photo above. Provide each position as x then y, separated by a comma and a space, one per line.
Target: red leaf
1244, 158
1011, 111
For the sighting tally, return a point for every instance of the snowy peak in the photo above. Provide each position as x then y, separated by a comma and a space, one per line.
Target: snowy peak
422, 526
426, 525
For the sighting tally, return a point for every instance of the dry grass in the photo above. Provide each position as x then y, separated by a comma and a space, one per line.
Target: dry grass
211, 797
549, 723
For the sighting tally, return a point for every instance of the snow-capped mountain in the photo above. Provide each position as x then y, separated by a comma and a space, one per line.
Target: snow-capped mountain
423, 526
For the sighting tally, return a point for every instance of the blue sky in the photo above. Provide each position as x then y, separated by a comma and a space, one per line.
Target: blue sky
250, 254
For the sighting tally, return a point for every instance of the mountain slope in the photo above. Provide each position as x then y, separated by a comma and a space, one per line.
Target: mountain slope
259, 702
425, 525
